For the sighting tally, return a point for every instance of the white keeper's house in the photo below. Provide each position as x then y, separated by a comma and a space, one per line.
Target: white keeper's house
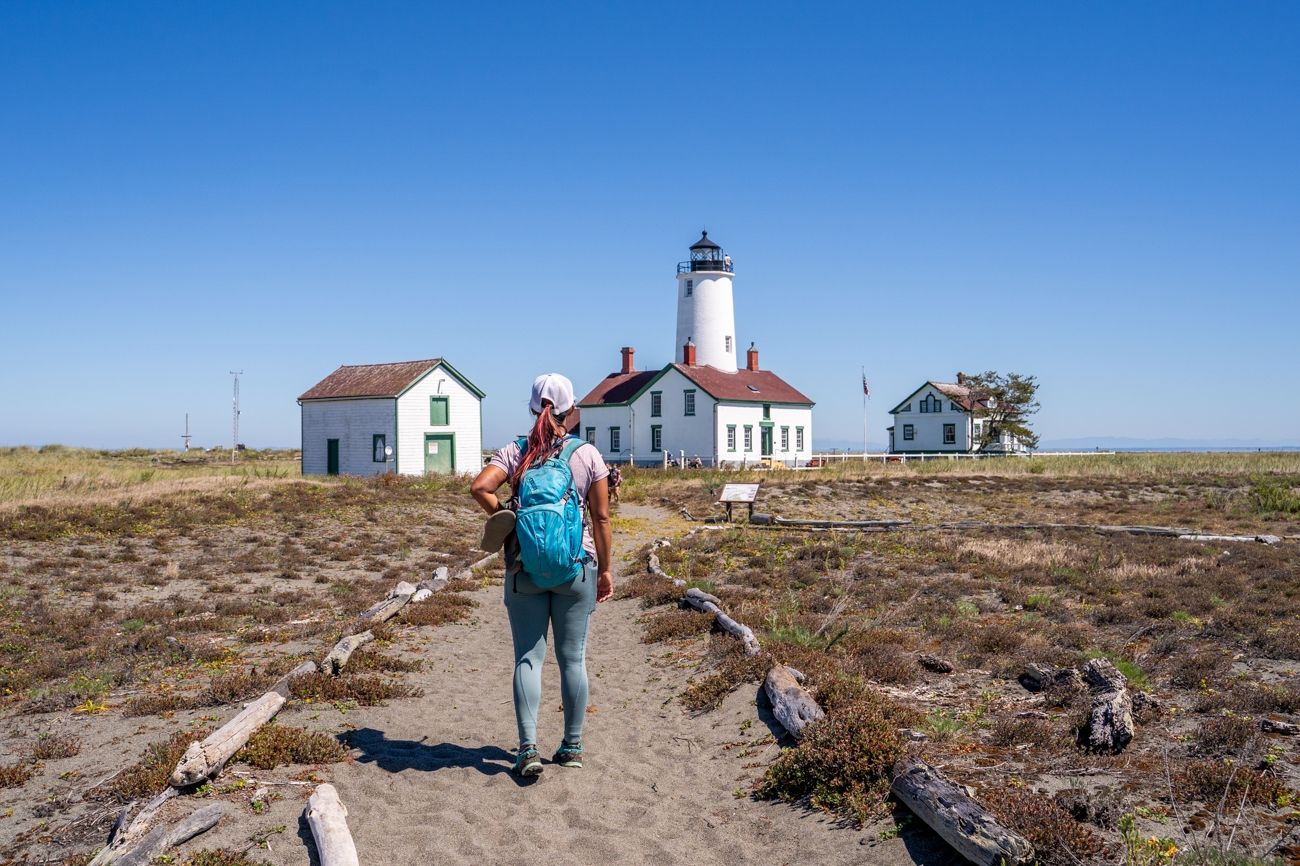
409, 418
703, 404
937, 419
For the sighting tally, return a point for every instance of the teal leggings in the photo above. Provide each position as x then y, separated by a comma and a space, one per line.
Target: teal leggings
567, 608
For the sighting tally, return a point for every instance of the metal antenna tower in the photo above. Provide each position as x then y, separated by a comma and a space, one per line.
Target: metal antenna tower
234, 436
187, 432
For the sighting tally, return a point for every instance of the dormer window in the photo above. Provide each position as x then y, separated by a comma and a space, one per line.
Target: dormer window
930, 404
991, 402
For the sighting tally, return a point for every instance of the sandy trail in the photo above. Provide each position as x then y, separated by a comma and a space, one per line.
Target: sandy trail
432, 782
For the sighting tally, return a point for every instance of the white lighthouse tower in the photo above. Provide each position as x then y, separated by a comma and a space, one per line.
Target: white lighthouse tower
705, 313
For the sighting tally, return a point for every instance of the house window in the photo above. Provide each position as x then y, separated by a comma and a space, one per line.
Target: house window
767, 411
591, 435
439, 415
798, 438
907, 408
930, 404
731, 437
909, 432
615, 445
949, 434
378, 445
976, 428
728, 344
749, 438
690, 402
656, 438
690, 288
656, 404
785, 438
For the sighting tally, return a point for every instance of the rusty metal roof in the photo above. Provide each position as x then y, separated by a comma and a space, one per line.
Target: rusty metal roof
370, 380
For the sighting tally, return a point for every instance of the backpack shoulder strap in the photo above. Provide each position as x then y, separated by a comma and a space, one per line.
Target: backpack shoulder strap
572, 444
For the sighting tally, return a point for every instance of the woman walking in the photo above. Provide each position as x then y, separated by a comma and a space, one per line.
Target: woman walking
556, 536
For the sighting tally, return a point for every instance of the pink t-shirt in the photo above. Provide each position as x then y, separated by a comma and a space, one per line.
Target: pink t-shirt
586, 465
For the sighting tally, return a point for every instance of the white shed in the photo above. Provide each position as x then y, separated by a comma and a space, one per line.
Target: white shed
409, 418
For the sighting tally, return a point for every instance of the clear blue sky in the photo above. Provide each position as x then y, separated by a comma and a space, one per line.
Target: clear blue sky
1104, 195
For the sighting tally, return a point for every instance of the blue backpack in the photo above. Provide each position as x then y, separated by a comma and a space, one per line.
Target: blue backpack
549, 519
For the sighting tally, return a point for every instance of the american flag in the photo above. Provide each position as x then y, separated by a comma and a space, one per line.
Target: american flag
865, 390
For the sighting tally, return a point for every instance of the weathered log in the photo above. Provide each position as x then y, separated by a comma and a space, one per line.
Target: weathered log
343, 650
469, 572
1111, 728
403, 588
793, 707
760, 519
382, 611
949, 811
1262, 539
701, 600
281, 686
426, 588
123, 838
1287, 729
161, 838
204, 759
328, 819
1036, 676
653, 568
934, 664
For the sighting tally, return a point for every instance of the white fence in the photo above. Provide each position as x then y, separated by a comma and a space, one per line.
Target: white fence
828, 457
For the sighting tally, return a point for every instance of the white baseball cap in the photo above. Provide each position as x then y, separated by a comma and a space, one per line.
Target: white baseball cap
555, 388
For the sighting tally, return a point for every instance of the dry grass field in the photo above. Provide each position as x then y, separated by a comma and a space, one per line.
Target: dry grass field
1208, 632
142, 601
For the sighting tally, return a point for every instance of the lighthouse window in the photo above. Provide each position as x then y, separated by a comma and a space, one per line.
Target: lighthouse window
690, 288
728, 344
690, 402
656, 404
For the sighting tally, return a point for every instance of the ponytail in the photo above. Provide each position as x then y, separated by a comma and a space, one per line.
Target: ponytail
542, 439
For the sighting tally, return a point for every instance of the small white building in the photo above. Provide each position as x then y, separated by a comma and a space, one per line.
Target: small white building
701, 404
409, 418
937, 419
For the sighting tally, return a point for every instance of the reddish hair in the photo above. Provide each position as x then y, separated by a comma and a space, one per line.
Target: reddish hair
542, 439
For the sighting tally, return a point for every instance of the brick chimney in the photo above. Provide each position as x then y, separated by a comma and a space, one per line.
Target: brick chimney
688, 353
751, 358
627, 359
961, 378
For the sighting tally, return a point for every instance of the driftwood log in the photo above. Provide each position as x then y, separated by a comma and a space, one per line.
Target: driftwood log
793, 707
1262, 539
426, 588
281, 686
160, 839
701, 600
949, 811
124, 838
343, 650
654, 568
204, 759
383, 611
760, 519
1287, 729
328, 820
1111, 727
469, 572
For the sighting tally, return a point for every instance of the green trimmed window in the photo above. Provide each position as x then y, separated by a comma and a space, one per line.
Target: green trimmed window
615, 443
591, 435
656, 404
749, 438
378, 446
439, 413
785, 438
656, 437
798, 438
690, 401
767, 411
731, 437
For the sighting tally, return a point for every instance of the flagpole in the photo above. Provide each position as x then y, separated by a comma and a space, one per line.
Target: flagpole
864, 414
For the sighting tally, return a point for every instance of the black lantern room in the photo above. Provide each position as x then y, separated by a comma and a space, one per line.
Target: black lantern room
706, 256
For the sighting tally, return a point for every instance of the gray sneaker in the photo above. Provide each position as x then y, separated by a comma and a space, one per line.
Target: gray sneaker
496, 530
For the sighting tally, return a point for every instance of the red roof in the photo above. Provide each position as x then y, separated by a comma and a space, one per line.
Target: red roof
370, 380
767, 387
618, 388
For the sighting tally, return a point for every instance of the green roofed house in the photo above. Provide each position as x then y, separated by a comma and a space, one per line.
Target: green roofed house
408, 418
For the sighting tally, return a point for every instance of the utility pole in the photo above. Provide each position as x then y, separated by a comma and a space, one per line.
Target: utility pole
234, 436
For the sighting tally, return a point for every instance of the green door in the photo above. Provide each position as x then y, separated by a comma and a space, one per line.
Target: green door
766, 437
332, 456
440, 453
